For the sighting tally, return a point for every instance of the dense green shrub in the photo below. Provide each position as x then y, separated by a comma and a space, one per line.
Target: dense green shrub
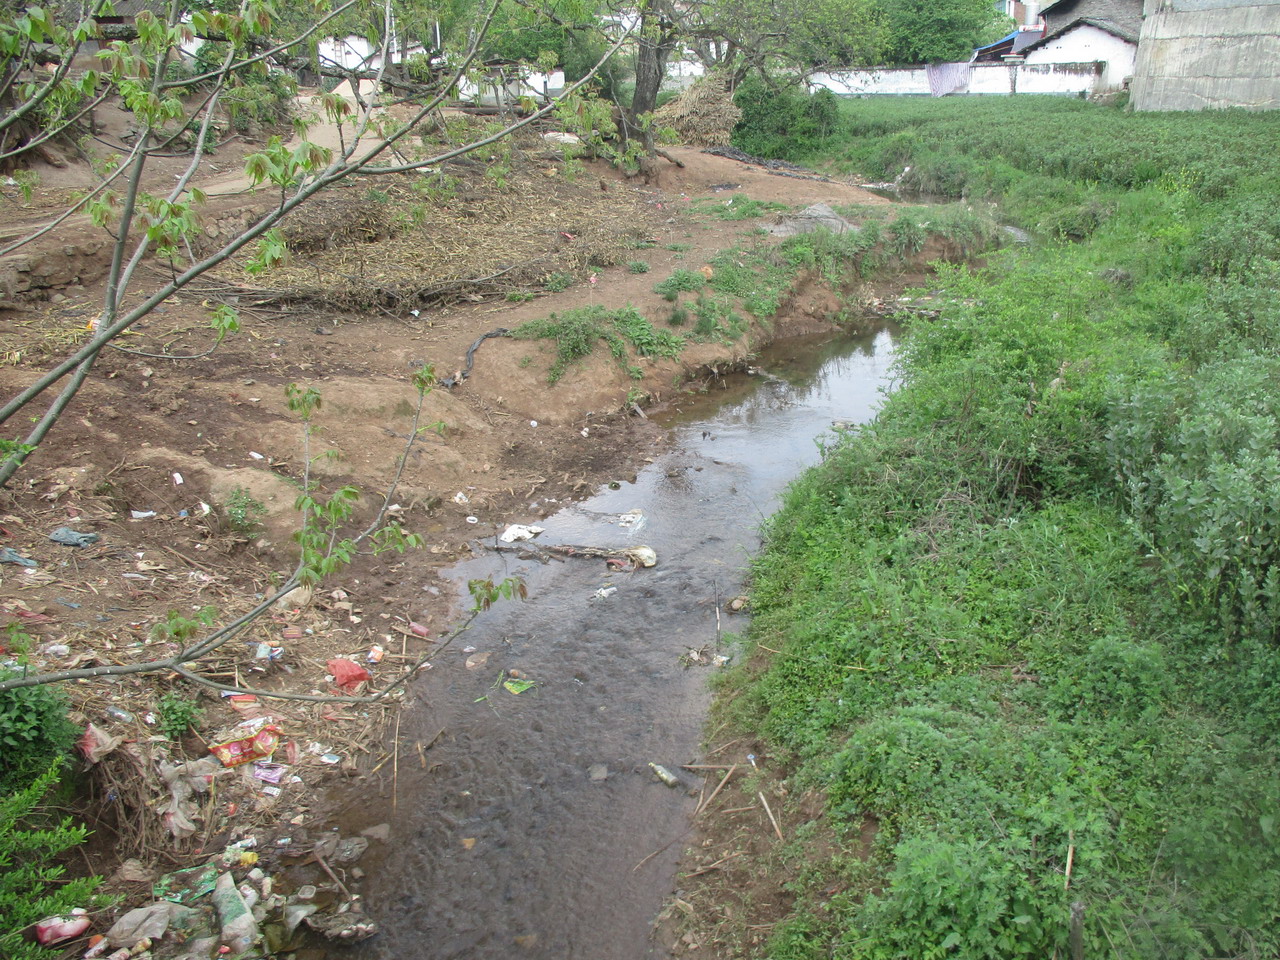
32, 884
1035, 607
783, 122
34, 730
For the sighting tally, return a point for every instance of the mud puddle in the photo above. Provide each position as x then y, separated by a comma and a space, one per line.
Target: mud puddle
533, 826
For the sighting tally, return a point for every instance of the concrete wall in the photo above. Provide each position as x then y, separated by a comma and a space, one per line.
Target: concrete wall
1208, 54
1068, 79
1087, 43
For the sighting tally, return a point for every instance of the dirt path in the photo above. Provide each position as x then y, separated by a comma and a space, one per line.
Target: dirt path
164, 439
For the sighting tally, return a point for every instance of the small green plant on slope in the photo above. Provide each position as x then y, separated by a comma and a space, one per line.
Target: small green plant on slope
244, 512
176, 714
558, 282
681, 281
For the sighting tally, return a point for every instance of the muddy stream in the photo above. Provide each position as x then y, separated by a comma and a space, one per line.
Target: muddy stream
521, 835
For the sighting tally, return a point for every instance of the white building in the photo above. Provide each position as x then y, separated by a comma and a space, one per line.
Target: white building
1088, 40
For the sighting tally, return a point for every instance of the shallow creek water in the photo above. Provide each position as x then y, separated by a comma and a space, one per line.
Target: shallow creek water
509, 843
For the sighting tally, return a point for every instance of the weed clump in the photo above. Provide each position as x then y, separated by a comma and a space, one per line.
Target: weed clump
576, 332
681, 281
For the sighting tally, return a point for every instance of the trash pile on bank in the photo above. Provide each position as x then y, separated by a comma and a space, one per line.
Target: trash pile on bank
231, 906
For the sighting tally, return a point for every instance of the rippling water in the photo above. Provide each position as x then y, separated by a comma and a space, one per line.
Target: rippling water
506, 846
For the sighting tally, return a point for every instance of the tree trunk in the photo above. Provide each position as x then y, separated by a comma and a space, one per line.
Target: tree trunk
657, 40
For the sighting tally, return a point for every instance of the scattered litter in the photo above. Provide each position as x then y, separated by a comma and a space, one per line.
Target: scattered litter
461, 498
620, 558
295, 913
518, 685
473, 519
150, 923
598, 772
269, 772
9, 555
53, 930
116, 713
58, 649
375, 654
177, 479
142, 514
564, 139
604, 593
268, 650
347, 674
239, 929
96, 743
133, 871
418, 629
256, 746
632, 520
665, 775
73, 538
183, 886
184, 781
342, 926
330, 758
341, 849
518, 531
477, 660
256, 455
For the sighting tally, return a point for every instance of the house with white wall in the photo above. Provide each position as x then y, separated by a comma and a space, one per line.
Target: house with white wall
1090, 40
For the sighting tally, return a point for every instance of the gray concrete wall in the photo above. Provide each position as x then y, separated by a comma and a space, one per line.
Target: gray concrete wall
1208, 54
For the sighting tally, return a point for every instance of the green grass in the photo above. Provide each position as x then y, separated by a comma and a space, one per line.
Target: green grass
1034, 609
679, 282
576, 333
737, 207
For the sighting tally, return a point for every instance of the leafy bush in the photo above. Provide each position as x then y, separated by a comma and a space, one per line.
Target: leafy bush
176, 714
244, 512
1200, 467
783, 122
31, 878
34, 730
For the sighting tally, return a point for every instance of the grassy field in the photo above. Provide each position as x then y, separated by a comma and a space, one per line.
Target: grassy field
1030, 616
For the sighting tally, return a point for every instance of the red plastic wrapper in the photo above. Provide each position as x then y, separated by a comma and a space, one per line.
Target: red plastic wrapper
257, 746
347, 674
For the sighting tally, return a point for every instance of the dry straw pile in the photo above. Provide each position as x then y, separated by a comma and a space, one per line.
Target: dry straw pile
703, 116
